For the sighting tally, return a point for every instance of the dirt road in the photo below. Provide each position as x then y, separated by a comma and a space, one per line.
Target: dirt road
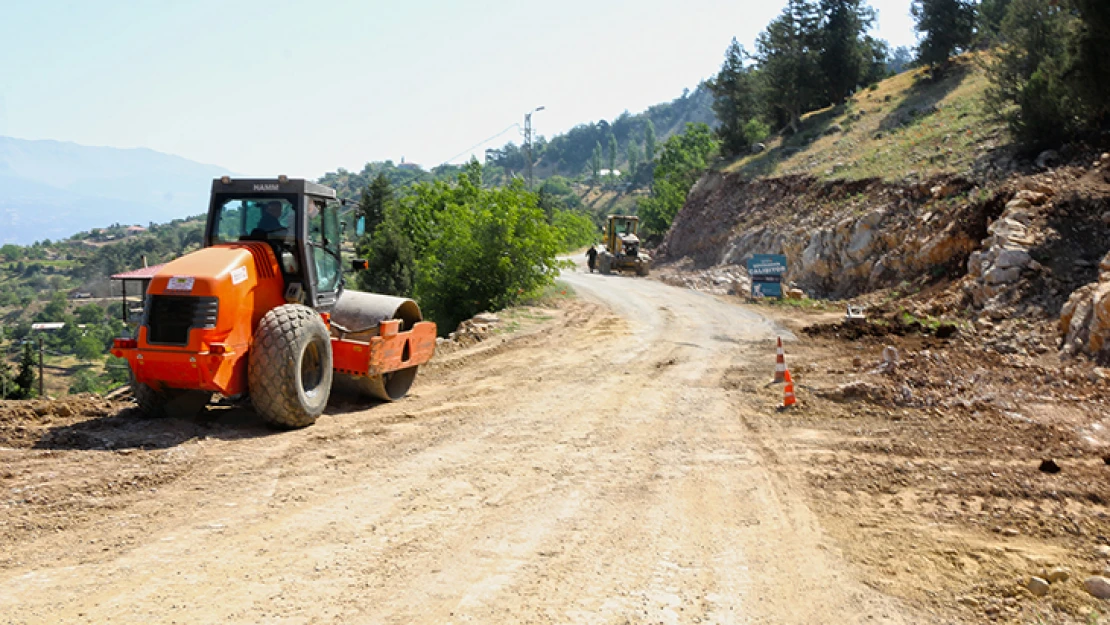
593, 468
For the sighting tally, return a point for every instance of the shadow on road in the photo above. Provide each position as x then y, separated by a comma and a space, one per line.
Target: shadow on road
129, 429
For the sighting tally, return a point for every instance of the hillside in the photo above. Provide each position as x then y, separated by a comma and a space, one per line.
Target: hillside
904, 127
51, 189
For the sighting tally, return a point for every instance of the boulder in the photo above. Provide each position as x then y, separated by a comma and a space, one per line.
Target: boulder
1057, 575
1012, 258
1098, 586
1085, 319
1047, 158
1036, 198
1000, 275
1037, 586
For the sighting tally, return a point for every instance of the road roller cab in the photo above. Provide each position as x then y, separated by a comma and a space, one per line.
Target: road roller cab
262, 312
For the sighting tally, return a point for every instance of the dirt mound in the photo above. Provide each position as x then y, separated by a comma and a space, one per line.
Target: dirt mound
24, 423
890, 325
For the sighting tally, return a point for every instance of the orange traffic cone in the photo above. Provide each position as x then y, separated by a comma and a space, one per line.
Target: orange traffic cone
780, 364
788, 398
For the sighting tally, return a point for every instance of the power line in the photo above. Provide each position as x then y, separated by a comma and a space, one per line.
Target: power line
474, 147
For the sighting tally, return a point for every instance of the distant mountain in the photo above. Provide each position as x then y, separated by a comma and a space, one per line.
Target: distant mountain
53, 189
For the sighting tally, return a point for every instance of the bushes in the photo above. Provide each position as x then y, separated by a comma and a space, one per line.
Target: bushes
576, 229
460, 249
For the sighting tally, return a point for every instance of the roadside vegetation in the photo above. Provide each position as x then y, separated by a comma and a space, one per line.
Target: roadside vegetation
461, 248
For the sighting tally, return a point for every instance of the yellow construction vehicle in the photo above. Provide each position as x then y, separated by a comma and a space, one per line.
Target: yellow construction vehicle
621, 249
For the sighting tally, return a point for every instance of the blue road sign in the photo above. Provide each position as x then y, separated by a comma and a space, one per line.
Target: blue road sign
766, 271
766, 265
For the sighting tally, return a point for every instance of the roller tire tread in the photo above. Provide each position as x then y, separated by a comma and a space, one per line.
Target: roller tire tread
273, 366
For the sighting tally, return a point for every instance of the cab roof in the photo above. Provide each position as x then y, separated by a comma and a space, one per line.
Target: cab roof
284, 186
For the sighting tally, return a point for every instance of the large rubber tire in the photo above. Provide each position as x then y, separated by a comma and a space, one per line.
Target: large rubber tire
152, 403
604, 264
289, 369
643, 268
173, 402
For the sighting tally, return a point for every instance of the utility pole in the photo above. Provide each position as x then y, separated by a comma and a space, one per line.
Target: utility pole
42, 351
528, 145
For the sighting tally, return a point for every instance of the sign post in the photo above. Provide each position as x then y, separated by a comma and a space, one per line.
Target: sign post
766, 271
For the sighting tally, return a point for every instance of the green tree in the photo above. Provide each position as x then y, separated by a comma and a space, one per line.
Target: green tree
390, 257
8, 387
683, 160
55, 310
89, 314
846, 52
11, 252
649, 141
633, 157
1029, 89
373, 202
25, 379
735, 100
947, 28
493, 246
575, 229
990, 16
595, 162
1090, 78
88, 348
612, 141
788, 54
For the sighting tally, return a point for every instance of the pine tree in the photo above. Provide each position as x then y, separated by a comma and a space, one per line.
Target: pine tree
595, 161
649, 141
845, 51
1028, 72
735, 100
25, 379
1090, 79
612, 154
7, 383
389, 253
948, 28
375, 198
633, 159
989, 23
788, 57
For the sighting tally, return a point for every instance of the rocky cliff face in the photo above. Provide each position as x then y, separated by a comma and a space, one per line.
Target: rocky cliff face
1019, 258
1085, 319
841, 238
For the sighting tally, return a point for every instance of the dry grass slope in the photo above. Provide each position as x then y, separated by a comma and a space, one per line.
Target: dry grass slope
905, 127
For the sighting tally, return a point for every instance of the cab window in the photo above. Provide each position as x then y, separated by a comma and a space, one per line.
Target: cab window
323, 239
238, 219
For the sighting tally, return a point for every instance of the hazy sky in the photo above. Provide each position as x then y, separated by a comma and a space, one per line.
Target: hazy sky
264, 87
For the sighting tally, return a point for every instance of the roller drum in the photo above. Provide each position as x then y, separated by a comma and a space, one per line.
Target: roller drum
359, 313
